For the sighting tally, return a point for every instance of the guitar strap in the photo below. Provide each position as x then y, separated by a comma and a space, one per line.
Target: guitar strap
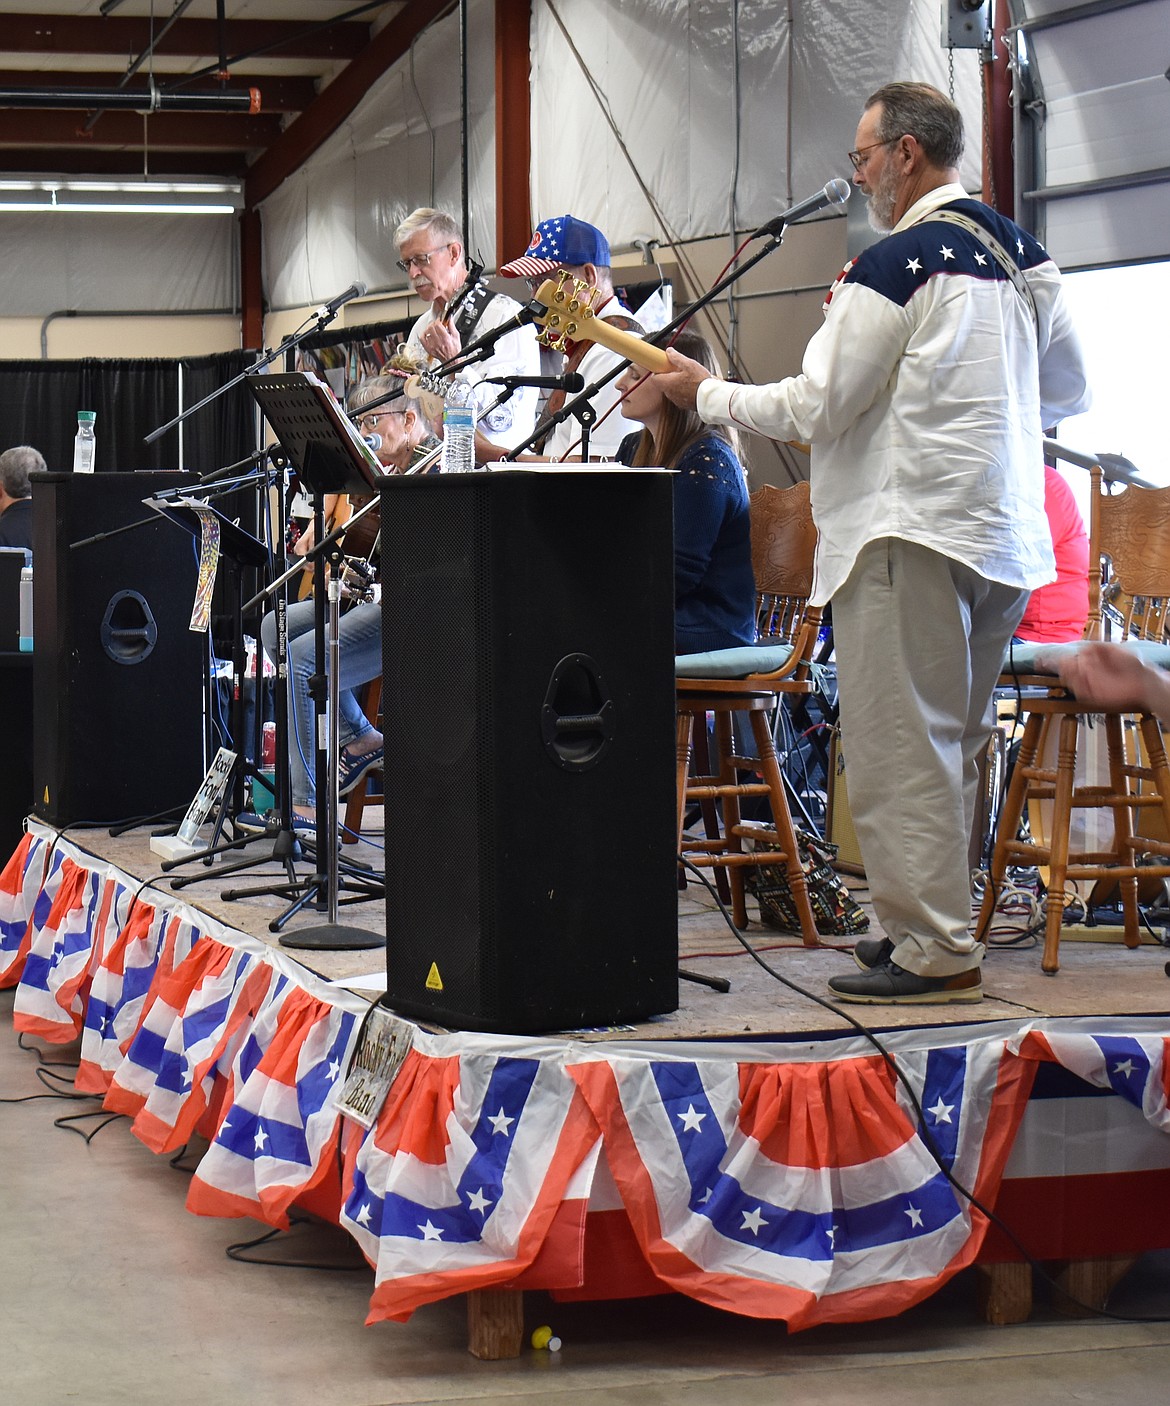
575, 355
995, 249
471, 309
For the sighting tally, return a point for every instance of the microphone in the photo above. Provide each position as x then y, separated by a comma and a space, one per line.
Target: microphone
355, 290
835, 192
571, 382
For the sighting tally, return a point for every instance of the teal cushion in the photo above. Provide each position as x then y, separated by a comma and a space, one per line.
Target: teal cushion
1022, 658
735, 663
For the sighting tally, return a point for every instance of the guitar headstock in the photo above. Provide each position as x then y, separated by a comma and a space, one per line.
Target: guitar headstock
572, 305
571, 315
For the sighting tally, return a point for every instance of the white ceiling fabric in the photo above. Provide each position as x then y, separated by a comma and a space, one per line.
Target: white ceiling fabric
666, 69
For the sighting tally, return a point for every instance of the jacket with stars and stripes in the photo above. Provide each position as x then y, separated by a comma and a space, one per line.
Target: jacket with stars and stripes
924, 396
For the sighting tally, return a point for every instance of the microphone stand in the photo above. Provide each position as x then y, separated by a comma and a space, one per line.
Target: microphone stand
321, 319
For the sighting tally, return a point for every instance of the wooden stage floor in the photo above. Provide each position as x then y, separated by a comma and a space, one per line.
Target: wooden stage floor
1095, 978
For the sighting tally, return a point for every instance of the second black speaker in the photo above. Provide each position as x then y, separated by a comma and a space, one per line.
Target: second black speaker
117, 672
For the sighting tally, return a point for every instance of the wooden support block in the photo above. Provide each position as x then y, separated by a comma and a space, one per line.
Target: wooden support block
1089, 1282
1004, 1292
495, 1323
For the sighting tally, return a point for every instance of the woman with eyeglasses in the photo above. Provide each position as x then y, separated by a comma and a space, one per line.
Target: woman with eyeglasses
714, 589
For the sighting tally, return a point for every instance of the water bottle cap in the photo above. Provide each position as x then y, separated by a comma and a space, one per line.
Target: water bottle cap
86, 416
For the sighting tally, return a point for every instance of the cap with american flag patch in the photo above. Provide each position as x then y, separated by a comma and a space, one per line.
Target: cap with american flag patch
557, 242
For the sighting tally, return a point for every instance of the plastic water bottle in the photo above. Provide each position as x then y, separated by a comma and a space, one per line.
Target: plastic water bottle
26, 610
85, 444
458, 429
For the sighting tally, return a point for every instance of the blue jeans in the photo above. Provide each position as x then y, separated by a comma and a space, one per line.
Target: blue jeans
360, 645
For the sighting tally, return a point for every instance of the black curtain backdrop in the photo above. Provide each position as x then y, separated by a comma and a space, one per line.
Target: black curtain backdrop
39, 401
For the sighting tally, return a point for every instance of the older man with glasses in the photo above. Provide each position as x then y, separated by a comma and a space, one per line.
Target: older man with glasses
460, 310
946, 348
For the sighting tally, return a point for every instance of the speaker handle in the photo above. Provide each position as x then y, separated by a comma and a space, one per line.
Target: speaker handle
576, 740
134, 637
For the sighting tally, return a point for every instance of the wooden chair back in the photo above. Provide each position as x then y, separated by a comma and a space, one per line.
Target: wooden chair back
784, 543
1129, 537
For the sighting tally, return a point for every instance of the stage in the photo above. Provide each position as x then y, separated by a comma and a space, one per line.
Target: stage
749, 1150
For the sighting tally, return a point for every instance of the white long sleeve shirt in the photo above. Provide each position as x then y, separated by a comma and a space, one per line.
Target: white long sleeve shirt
924, 397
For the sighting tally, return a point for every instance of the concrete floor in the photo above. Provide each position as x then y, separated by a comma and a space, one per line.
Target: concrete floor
112, 1294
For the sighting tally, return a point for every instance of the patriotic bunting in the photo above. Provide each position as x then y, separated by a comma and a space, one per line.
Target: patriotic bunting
808, 1190
1132, 1066
278, 1137
26, 896
458, 1184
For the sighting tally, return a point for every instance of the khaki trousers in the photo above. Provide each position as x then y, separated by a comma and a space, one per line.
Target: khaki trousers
919, 639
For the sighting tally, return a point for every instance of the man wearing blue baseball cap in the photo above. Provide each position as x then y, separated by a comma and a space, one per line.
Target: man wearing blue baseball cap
582, 251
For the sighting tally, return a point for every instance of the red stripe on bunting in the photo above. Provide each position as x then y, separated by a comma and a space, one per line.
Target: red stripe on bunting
800, 1114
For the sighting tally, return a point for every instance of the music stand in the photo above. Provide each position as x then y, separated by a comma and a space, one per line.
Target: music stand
243, 550
330, 457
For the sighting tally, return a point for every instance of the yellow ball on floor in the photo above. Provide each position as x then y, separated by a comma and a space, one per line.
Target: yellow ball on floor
541, 1337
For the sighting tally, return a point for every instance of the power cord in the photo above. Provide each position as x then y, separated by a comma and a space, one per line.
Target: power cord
919, 1113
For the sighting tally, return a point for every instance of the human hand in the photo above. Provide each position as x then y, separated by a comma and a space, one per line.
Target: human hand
441, 342
1113, 679
681, 383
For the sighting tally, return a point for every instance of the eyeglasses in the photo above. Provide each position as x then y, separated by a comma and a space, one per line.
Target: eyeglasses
418, 260
372, 419
859, 158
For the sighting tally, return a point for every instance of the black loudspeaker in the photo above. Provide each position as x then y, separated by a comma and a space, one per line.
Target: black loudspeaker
528, 711
117, 673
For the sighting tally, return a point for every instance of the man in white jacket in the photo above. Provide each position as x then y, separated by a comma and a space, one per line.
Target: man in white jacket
945, 350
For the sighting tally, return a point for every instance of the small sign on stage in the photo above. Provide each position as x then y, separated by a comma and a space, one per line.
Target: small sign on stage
187, 842
385, 1043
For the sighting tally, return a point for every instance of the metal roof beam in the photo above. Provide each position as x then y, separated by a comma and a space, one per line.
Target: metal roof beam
114, 35
206, 132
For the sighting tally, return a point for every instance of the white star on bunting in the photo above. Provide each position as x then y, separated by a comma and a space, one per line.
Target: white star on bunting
478, 1202
980, 259
946, 253
752, 1220
260, 1139
915, 1216
363, 1216
913, 266
500, 1122
691, 1119
941, 1111
431, 1232
1125, 1068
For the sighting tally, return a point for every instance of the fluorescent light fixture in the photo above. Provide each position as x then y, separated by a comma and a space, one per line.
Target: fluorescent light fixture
48, 183
57, 195
85, 207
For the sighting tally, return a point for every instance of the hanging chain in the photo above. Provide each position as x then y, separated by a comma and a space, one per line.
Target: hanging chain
951, 72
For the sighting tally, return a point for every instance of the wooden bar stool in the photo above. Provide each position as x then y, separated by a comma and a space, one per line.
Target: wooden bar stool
752, 681
1129, 561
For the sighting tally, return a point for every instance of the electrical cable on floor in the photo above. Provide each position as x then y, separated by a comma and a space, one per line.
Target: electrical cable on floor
67, 1120
238, 1251
923, 1131
42, 1059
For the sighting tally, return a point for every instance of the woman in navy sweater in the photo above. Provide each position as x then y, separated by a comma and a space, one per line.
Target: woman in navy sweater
714, 592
